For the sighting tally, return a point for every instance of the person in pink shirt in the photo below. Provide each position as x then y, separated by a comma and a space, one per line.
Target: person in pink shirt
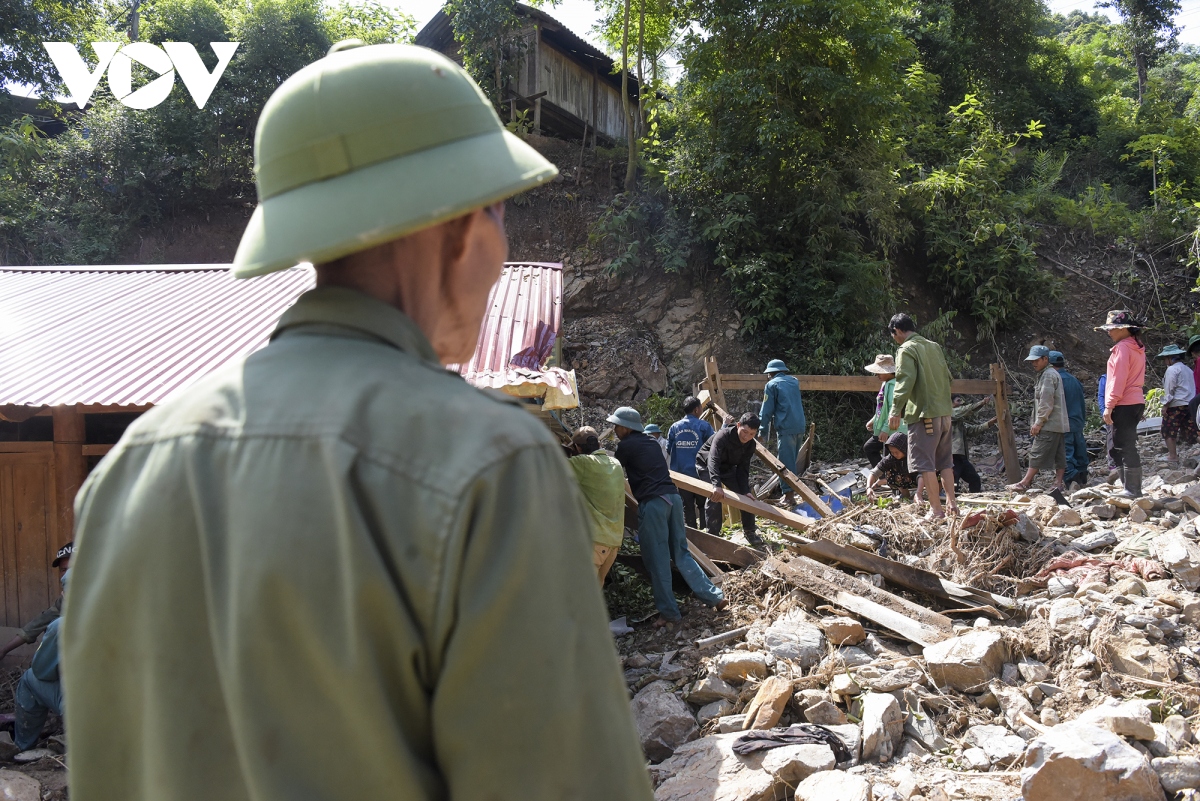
1123, 398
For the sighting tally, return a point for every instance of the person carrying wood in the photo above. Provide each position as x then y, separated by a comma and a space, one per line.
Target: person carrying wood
783, 408
332, 569
603, 486
724, 461
922, 399
684, 439
1048, 424
661, 531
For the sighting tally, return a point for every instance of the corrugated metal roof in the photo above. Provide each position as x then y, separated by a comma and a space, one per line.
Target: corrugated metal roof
523, 322
129, 335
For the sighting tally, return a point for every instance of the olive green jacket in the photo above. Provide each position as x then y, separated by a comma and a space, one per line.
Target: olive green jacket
602, 482
336, 571
922, 381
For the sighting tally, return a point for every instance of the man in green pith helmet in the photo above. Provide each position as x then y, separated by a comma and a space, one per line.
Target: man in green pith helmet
317, 593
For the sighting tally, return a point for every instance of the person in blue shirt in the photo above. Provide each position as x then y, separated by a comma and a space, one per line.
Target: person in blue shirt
39, 692
1077, 455
684, 439
783, 409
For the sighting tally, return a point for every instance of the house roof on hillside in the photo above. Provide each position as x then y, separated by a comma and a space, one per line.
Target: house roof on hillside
132, 335
438, 35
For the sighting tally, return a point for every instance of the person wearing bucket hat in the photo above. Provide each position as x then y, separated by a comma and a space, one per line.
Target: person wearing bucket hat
1179, 388
1077, 454
1048, 423
884, 367
783, 408
661, 531
1124, 400
655, 433
368, 559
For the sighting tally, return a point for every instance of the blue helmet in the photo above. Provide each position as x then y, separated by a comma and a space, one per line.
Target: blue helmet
776, 366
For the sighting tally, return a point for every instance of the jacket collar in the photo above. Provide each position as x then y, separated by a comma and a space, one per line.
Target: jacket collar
360, 313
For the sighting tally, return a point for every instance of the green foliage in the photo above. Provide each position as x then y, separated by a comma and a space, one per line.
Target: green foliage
28, 23
784, 159
662, 410
77, 198
977, 236
490, 42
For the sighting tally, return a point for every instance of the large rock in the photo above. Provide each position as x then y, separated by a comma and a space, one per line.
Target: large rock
792, 764
833, 785
709, 769
767, 707
882, 726
740, 665
1179, 555
1129, 719
795, 639
968, 662
712, 688
1132, 654
15, 786
664, 722
843, 630
1177, 773
851, 734
717, 709
1001, 746
825, 714
1075, 762
1065, 613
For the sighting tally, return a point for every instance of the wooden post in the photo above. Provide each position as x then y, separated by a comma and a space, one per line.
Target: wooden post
595, 100
713, 375
1004, 427
537, 78
70, 466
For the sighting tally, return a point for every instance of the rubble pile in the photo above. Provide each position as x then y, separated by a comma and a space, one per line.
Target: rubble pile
1085, 684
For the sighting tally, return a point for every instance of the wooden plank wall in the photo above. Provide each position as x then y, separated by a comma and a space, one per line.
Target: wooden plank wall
568, 85
28, 533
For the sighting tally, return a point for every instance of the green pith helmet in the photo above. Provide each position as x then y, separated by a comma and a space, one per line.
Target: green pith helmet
369, 144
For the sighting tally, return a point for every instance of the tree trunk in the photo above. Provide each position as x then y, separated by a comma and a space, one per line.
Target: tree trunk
499, 57
641, 117
630, 134
1140, 59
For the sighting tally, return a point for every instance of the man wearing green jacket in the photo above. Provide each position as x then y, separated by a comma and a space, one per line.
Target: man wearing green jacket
603, 485
922, 399
332, 569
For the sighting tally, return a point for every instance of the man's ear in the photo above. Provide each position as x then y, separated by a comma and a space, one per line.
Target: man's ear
456, 233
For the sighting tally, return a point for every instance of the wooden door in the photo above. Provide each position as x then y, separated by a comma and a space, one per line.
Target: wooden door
27, 535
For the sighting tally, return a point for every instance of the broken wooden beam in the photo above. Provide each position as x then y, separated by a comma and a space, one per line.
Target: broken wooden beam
911, 621
743, 502
723, 550
898, 573
715, 573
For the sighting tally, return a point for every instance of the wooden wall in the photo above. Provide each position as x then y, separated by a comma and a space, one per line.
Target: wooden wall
570, 86
29, 524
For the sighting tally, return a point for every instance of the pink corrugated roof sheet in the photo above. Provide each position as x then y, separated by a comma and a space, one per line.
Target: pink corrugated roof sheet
133, 335
129, 335
523, 322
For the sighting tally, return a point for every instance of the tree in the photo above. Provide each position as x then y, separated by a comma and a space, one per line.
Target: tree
1150, 30
785, 160
488, 35
28, 23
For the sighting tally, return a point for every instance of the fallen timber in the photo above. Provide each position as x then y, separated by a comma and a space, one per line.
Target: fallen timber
898, 573
911, 621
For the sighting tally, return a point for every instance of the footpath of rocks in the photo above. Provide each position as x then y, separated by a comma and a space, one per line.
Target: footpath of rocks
1085, 685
